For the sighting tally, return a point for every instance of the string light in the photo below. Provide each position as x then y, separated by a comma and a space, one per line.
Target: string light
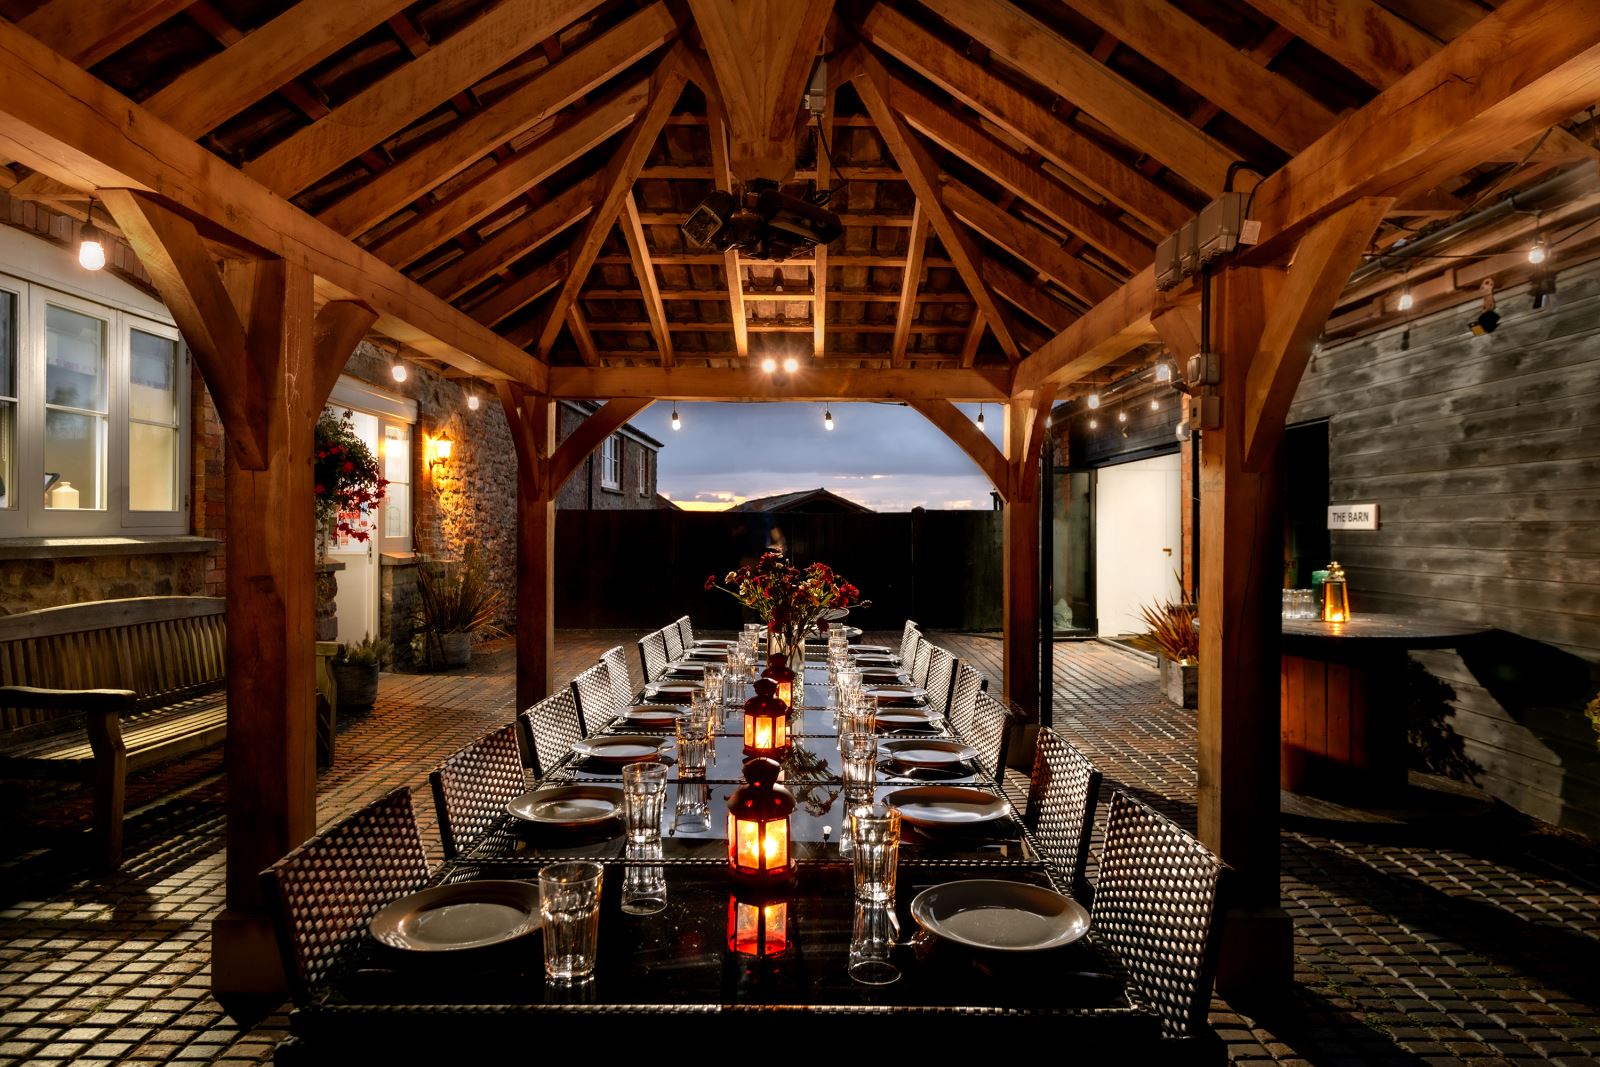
91, 246
1122, 416
1094, 424
1163, 373
769, 364
827, 418
1094, 401
1155, 404
473, 401
791, 365
1406, 301
399, 372
980, 415
1537, 253
677, 423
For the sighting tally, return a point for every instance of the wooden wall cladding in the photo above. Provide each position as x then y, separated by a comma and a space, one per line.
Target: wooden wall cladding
1483, 454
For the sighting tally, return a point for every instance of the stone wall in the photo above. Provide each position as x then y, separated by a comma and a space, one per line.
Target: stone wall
584, 491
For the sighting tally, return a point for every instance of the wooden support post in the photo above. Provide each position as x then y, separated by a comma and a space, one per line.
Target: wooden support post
1026, 415
532, 419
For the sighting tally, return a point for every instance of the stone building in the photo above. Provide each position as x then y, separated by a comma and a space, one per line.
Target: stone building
619, 475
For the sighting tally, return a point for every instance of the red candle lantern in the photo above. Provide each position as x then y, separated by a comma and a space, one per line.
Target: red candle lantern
758, 927
778, 670
758, 824
766, 721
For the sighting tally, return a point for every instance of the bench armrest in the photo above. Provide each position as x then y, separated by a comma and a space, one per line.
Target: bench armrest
27, 696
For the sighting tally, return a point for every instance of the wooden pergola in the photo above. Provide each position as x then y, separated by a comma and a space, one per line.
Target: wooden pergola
496, 187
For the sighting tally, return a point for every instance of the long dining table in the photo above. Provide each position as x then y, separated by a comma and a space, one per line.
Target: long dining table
678, 962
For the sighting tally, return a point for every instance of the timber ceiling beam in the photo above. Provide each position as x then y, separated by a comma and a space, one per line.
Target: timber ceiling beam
337, 330
1378, 46
86, 31
722, 166
815, 381
1267, 102
1115, 325
1024, 118
762, 53
516, 239
645, 273
57, 118
1029, 297
1018, 176
504, 182
572, 78
665, 86
954, 424
519, 292
412, 90
1028, 243
1079, 78
921, 173
910, 280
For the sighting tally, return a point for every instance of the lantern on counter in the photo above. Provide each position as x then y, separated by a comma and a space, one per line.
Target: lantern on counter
778, 670
766, 721
758, 824
1335, 595
758, 926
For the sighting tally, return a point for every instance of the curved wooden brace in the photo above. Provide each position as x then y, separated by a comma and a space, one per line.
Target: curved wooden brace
612, 416
339, 327
971, 440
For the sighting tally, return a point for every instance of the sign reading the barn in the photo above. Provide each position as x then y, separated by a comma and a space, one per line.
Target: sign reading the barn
1353, 517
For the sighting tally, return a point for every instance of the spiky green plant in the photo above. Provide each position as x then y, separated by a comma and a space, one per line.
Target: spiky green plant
1172, 629
457, 598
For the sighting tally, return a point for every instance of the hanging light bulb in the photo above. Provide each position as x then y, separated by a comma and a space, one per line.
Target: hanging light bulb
1163, 372
473, 401
677, 423
980, 415
1537, 253
769, 364
1094, 423
1122, 416
791, 365
1094, 401
91, 245
827, 418
1406, 301
399, 372
1155, 404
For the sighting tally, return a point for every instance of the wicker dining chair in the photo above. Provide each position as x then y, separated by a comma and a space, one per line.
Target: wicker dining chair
653, 655
941, 676
909, 636
616, 662
991, 726
674, 640
471, 788
597, 704
964, 698
923, 663
1156, 905
685, 631
322, 895
1061, 802
549, 730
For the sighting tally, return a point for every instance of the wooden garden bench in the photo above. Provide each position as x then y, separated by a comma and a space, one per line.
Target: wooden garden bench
93, 691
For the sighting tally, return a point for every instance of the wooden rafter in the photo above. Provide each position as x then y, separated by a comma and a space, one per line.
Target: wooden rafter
516, 239
761, 52
1028, 243
578, 324
1110, 328
722, 165
665, 86
575, 76
920, 170
1027, 295
1064, 69
819, 381
1361, 34
1024, 118
819, 269
910, 280
86, 31
519, 292
645, 273
954, 424
412, 90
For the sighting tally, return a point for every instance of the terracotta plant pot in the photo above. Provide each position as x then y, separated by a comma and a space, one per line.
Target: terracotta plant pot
357, 684
1180, 682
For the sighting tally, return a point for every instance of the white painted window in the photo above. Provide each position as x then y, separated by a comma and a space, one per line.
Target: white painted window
94, 413
644, 473
611, 463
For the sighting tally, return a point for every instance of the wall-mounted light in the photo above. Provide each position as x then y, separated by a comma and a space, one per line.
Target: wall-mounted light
677, 423
398, 371
91, 245
437, 450
473, 401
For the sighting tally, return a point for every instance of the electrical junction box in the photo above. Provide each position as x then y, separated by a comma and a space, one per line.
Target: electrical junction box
1188, 252
1169, 272
1219, 226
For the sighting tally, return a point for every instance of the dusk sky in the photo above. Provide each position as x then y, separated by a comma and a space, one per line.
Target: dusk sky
884, 456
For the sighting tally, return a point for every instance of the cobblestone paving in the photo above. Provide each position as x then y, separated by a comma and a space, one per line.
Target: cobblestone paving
1474, 948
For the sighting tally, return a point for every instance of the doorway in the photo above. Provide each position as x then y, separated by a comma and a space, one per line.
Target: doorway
1138, 536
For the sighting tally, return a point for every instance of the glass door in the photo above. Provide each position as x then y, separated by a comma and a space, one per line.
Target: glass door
1071, 552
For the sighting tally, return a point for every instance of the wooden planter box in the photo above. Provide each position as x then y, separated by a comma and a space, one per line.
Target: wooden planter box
1180, 683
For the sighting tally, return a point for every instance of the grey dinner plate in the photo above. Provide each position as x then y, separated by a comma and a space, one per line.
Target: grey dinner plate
674, 687
903, 718
450, 918
943, 806
915, 752
654, 716
568, 805
1000, 916
620, 748
899, 692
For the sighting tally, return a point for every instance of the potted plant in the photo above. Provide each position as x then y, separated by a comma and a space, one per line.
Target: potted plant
1172, 628
355, 671
455, 602
347, 480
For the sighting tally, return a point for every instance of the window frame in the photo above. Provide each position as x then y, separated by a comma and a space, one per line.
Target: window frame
611, 463
29, 517
644, 472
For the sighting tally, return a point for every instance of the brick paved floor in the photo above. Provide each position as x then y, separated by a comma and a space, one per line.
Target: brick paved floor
1479, 948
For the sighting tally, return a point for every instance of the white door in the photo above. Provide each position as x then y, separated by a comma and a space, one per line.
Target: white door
1138, 536
357, 602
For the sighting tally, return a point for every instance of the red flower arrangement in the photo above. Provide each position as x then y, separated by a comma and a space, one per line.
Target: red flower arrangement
789, 599
346, 473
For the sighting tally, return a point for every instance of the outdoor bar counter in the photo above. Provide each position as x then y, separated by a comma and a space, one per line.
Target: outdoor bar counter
1344, 701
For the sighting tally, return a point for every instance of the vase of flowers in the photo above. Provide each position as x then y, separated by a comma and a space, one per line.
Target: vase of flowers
790, 600
347, 480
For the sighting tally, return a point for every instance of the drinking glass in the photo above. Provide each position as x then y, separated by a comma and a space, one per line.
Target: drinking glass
644, 788
569, 907
695, 730
875, 834
644, 884
859, 758
849, 679
859, 715
692, 812
872, 938
715, 677
1289, 605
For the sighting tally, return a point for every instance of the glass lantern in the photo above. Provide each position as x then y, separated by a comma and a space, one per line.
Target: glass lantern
778, 670
766, 721
758, 825
1335, 595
